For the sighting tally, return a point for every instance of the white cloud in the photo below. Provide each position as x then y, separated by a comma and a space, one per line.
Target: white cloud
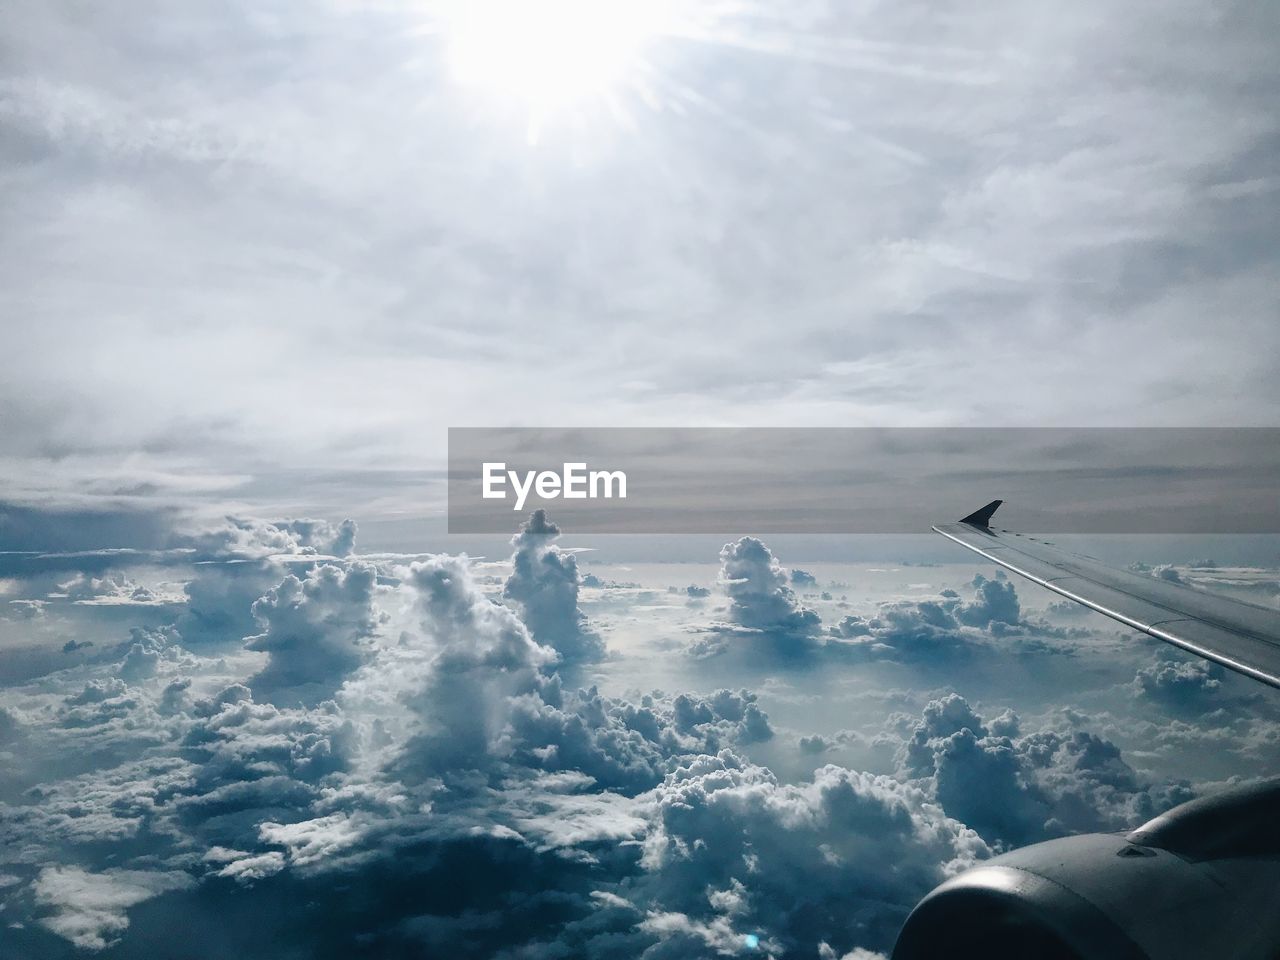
91, 909
955, 189
760, 598
544, 586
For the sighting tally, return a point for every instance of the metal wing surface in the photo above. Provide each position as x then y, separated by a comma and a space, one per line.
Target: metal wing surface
1241, 636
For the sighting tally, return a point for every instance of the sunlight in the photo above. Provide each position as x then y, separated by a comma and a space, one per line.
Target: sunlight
550, 53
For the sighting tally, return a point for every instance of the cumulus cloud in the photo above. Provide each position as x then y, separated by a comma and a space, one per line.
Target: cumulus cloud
1184, 686
947, 627
220, 598
242, 746
736, 852
803, 578
484, 657
995, 601
146, 650
630, 745
497, 757
111, 587
251, 538
543, 587
488, 696
234, 567
1016, 789
1161, 571
759, 597
528, 814
245, 867
315, 630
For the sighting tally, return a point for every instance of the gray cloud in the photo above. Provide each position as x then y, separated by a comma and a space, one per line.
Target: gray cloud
316, 630
1016, 789
735, 852
803, 578
1187, 687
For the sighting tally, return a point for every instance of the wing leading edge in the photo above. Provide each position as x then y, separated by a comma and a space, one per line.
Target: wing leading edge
1240, 636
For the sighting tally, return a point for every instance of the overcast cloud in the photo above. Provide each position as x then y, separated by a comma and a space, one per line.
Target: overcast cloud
250, 241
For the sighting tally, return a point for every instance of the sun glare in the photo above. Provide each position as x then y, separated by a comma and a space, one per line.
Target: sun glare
550, 53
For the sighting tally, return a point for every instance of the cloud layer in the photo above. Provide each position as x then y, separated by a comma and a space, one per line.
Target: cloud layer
398, 725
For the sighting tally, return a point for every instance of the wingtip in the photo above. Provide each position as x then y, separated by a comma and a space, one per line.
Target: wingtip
982, 518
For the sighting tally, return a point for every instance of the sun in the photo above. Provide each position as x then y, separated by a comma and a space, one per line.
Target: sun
550, 53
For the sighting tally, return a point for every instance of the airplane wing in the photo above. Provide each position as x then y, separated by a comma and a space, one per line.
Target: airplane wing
1240, 636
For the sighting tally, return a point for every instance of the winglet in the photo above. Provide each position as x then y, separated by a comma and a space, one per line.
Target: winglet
981, 518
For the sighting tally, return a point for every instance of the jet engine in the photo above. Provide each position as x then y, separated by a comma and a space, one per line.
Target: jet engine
1201, 881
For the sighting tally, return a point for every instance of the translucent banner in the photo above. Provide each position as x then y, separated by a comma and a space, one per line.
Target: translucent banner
866, 480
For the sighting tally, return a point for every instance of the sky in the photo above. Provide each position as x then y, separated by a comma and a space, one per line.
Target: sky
268, 253
258, 258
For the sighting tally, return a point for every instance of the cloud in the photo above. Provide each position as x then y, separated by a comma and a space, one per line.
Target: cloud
858, 953
246, 867
1161, 571
315, 630
109, 695
10, 725
630, 745
1016, 789
483, 657
250, 538
760, 599
803, 578
736, 852
112, 587
242, 746
91, 909
1184, 686
443, 752
543, 587
947, 231
23, 609
948, 627
220, 598
146, 651
487, 697
996, 601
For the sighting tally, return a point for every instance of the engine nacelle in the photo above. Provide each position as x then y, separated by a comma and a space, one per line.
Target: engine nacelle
1201, 881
